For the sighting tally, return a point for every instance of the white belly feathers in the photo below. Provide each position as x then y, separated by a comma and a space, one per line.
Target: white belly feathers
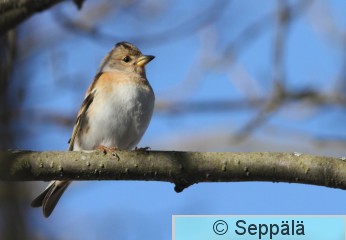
130, 108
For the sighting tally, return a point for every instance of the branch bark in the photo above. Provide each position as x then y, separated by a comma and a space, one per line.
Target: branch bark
181, 168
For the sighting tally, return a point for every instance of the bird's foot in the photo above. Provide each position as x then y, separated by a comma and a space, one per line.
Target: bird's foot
105, 149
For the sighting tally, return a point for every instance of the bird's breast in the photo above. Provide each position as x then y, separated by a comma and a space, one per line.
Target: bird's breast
119, 115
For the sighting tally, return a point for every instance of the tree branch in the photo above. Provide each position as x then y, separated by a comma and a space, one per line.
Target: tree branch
181, 168
14, 12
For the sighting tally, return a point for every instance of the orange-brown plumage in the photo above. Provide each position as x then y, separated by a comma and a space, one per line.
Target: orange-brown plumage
115, 113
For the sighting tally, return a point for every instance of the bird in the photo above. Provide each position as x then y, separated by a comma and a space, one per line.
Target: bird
115, 113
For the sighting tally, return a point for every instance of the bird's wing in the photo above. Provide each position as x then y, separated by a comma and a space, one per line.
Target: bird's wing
82, 116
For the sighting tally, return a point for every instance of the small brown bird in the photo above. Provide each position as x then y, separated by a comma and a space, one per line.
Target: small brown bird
115, 113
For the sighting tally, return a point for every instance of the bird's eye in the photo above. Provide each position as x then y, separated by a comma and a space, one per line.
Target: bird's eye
126, 59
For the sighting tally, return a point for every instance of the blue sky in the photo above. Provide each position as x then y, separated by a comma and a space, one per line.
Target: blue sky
57, 66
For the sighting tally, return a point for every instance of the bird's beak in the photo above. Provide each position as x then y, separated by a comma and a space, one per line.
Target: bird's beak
143, 60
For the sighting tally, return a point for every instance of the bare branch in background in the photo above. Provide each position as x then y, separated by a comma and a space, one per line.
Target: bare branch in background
14, 12
179, 108
252, 32
188, 27
284, 15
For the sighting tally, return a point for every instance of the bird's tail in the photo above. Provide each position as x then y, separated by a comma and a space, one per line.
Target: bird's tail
50, 196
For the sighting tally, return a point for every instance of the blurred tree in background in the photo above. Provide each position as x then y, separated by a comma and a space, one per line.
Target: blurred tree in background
228, 76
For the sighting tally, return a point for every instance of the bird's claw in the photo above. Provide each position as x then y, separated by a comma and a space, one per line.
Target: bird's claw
105, 149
